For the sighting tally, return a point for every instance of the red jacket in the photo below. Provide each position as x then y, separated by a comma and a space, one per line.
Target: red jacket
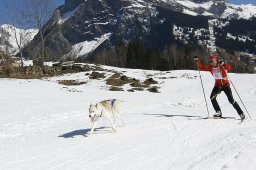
219, 73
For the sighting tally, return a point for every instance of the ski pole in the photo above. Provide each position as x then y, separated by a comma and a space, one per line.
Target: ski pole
203, 91
240, 98
238, 94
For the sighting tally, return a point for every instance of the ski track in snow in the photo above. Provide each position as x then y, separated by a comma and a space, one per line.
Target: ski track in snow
45, 126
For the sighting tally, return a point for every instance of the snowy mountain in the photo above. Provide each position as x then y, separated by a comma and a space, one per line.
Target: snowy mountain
48, 128
216, 9
8, 41
79, 30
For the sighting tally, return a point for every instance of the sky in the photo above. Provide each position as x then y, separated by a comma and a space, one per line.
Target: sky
4, 19
243, 2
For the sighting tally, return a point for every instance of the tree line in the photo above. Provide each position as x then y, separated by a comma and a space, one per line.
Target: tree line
172, 57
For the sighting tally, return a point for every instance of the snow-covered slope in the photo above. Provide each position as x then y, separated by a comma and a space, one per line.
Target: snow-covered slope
8, 41
85, 47
219, 8
44, 125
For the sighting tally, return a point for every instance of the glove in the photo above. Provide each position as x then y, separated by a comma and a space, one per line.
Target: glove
196, 58
222, 62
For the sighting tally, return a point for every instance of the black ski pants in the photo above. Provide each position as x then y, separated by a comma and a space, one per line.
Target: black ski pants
227, 90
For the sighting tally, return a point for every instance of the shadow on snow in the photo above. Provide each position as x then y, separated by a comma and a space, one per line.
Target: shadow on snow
189, 116
83, 132
166, 115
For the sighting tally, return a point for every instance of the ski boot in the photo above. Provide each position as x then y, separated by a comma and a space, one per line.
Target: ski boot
218, 114
242, 116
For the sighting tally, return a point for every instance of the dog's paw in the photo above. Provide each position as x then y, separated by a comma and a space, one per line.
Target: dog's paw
114, 130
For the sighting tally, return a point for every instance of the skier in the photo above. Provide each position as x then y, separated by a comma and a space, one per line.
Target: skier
218, 69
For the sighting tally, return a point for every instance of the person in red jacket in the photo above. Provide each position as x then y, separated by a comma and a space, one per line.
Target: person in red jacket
218, 69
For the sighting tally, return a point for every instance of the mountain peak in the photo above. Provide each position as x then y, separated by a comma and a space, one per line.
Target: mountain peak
8, 40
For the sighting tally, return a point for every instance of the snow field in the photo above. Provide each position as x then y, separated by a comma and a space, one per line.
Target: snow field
44, 125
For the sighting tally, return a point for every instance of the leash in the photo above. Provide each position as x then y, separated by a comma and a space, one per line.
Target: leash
214, 96
144, 102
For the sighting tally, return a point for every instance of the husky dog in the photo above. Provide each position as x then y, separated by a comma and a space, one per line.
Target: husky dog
110, 109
